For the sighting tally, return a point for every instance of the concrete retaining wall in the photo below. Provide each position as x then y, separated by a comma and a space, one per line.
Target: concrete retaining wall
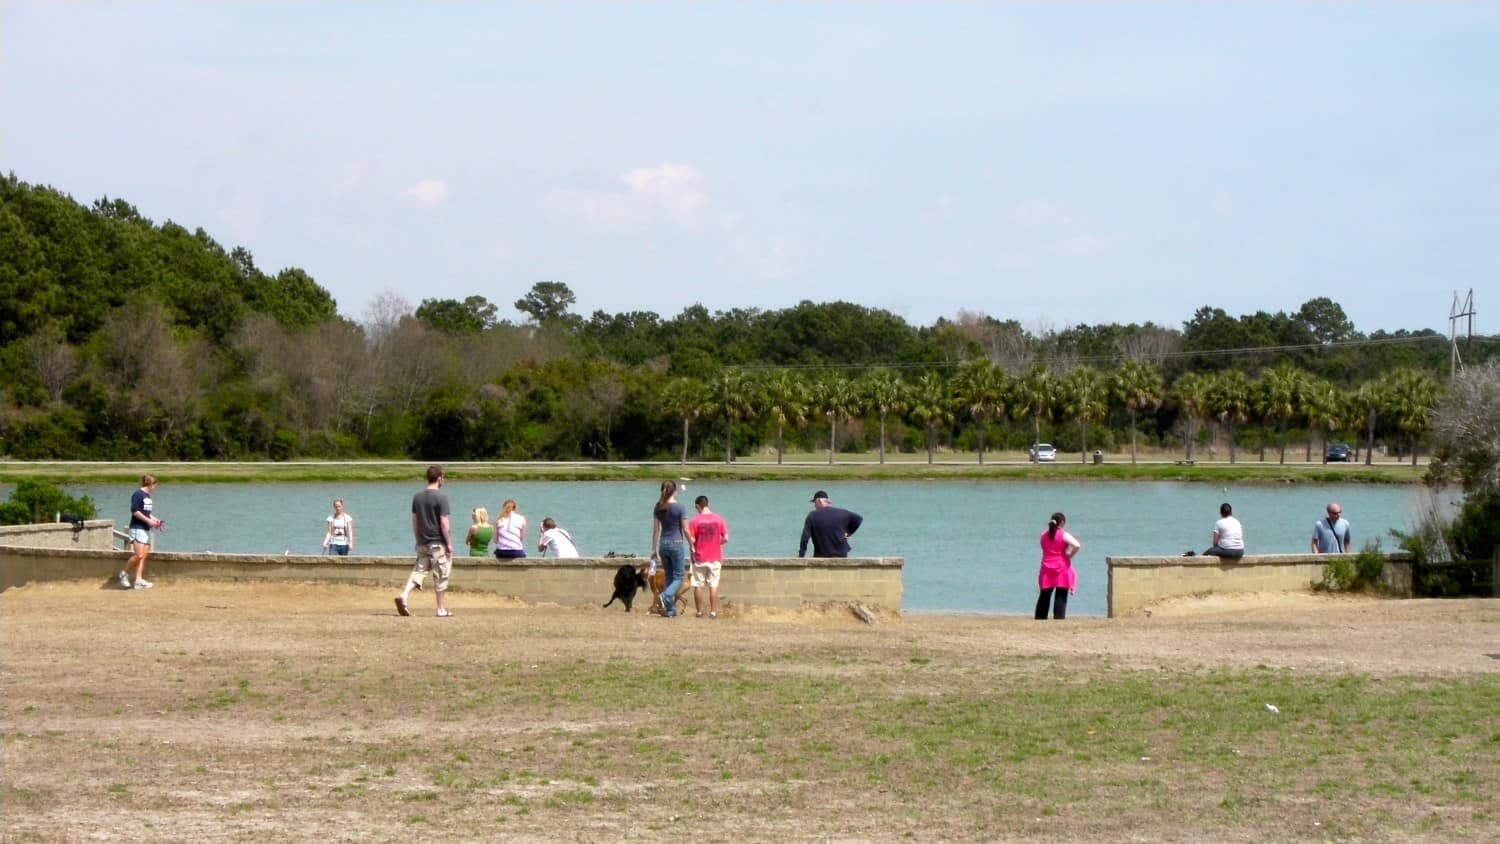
1135, 582
52, 554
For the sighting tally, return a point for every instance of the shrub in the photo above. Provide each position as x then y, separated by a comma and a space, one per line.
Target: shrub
37, 502
1341, 574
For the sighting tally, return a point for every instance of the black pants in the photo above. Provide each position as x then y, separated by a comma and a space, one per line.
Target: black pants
1226, 553
1059, 599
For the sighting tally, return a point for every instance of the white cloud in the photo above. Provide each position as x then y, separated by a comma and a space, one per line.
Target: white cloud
428, 193
1045, 214
674, 194
1088, 245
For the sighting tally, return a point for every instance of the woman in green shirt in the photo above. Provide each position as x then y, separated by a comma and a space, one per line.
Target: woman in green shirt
481, 533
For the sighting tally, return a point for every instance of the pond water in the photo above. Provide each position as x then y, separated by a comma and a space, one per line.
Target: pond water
970, 546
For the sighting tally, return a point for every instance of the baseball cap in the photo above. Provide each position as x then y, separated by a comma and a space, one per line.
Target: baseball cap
819, 494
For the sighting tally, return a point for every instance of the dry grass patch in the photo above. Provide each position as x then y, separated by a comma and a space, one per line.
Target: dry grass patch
305, 712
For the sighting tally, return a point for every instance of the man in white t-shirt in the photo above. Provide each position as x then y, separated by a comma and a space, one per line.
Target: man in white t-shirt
1229, 535
559, 540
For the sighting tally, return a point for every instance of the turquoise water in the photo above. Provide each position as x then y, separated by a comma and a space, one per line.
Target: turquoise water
970, 546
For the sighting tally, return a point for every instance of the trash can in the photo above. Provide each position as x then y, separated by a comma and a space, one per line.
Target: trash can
1098, 457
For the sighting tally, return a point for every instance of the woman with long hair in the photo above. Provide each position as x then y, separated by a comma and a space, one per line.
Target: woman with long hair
510, 532
671, 542
480, 533
1057, 579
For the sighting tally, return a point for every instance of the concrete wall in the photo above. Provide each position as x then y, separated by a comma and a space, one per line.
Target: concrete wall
1135, 582
38, 555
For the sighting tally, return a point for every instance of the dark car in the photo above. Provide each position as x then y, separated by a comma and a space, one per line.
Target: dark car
1338, 453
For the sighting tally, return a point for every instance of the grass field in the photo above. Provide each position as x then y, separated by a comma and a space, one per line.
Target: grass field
295, 712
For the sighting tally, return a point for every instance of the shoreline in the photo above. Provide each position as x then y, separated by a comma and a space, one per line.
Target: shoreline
855, 468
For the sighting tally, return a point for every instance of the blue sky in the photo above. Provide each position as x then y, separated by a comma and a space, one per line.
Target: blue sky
1051, 163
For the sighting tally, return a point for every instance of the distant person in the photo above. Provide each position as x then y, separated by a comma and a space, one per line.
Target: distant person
432, 528
828, 527
709, 532
510, 532
481, 533
1057, 578
558, 539
339, 539
671, 542
1332, 534
142, 522
1229, 535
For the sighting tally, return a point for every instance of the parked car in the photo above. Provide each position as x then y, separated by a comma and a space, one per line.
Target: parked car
1338, 453
1043, 453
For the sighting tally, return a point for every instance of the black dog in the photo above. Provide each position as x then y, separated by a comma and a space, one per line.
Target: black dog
627, 580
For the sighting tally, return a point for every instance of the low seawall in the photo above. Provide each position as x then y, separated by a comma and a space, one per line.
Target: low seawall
1136, 582
33, 553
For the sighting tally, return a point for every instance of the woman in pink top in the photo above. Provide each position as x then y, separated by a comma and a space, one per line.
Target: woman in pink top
1058, 578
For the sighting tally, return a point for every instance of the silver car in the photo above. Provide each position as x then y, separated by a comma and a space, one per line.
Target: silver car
1043, 453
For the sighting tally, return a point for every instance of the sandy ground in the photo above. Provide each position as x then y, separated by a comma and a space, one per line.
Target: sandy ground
92, 680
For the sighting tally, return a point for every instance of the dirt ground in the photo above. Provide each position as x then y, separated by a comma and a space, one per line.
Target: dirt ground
225, 711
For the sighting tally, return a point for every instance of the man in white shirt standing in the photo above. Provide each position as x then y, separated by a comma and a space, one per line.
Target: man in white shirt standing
559, 540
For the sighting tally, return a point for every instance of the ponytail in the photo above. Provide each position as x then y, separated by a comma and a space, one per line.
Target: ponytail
507, 508
1057, 521
668, 489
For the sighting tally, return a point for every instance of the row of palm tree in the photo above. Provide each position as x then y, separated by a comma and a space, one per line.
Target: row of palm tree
984, 393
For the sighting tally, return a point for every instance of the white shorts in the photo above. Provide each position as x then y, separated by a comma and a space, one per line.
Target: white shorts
705, 574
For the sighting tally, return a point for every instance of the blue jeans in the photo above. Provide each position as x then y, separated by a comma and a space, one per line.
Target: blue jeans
671, 554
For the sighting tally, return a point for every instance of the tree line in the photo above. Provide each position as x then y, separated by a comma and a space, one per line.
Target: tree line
127, 339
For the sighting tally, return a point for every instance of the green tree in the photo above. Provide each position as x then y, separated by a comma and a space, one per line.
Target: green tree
835, 398
1369, 399
685, 399
1190, 394
474, 315
1279, 398
37, 502
1034, 395
787, 397
547, 302
1085, 397
732, 395
1138, 386
1231, 397
1410, 397
931, 405
982, 391
882, 392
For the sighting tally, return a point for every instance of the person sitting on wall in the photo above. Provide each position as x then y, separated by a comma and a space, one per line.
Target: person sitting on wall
1229, 535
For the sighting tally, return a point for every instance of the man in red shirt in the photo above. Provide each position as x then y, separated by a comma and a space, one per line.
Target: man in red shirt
709, 535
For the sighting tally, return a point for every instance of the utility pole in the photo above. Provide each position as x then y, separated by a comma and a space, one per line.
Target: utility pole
1456, 313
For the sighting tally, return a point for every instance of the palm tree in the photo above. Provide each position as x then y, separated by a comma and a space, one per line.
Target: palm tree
1279, 397
883, 392
1034, 395
1138, 385
732, 394
980, 391
1230, 394
835, 398
1369, 399
1325, 412
685, 398
1085, 397
786, 396
1410, 397
1190, 394
931, 404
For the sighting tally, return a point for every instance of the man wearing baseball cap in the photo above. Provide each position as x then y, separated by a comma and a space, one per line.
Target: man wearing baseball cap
828, 527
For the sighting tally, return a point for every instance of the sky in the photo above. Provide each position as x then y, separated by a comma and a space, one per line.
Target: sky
1057, 164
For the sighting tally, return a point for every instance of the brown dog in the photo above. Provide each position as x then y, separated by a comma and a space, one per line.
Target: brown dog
658, 582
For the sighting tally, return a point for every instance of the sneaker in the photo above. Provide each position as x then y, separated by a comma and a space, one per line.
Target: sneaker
124, 580
713, 615
143, 583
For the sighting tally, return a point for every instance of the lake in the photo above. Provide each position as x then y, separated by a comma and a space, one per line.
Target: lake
970, 546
